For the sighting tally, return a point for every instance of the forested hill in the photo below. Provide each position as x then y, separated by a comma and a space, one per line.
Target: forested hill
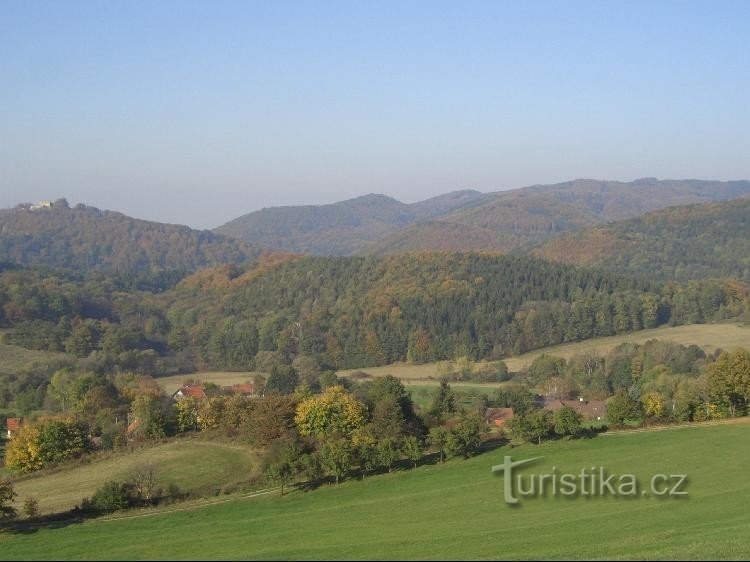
340, 228
86, 239
343, 312
685, 242
353, 312
520, 218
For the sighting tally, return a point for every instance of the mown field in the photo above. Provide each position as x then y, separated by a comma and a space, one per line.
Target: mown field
708, 336
223, 378
456, 511
193, 464
14, 358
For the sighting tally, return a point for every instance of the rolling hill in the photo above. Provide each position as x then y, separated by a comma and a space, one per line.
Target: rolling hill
520, 218
453, 511
680, 243
467, 220
86, 239
340, 228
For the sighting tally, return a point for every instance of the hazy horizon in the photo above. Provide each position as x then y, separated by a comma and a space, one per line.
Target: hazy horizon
196, 113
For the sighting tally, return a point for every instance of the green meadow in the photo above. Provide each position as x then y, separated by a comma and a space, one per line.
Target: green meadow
455, 511
710, 337
193, 464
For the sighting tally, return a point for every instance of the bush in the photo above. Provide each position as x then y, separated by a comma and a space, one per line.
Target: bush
31, 507
112, 496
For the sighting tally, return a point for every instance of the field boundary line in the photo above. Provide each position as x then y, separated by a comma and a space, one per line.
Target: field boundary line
733, 421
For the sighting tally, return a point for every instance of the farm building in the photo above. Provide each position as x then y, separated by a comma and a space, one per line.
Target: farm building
498, 416
589, 409
190, 390
247, 390
12, 426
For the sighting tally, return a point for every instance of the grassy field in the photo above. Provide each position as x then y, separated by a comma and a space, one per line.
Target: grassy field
708, 336
222, 378
191, 463
14, 358
456, 510
422, 394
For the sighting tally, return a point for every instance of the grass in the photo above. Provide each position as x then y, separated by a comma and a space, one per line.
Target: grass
223, 378
191, 463
14, 358
708, 336
456, 510
422, 394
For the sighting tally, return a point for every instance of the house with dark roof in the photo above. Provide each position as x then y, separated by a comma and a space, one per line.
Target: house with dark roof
590, 409
498, 416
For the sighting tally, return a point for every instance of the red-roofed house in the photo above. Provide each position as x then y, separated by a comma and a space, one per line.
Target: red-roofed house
498, 416
247, 390
190, 390
12, 425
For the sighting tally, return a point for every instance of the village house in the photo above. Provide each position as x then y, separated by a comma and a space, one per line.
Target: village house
498, 416
190, 390
590, 409
246, 390
12, 426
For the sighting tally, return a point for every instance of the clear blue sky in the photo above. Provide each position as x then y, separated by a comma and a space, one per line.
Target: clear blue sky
196, 112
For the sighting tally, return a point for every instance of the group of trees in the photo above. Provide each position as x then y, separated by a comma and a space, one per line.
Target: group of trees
300, 319
373, 427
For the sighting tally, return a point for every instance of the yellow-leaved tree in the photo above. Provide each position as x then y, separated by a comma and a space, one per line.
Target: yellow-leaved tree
22, 454
333, 411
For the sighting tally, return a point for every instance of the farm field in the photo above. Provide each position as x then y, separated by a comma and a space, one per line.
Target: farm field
708, 336
223, 378
456, 511
14, 358
191, 463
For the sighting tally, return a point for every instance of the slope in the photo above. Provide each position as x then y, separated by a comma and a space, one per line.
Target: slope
523, 217
456, 511
339, 228
681, 243
87, 239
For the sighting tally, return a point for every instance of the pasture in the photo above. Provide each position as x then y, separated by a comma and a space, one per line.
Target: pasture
192, 463
708, 336
456, 511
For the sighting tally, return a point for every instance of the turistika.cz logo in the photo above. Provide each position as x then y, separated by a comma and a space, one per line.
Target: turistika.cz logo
591, 481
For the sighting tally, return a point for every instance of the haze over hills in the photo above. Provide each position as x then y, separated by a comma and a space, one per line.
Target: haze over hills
684, 242
340, 228
468, 220
87, 239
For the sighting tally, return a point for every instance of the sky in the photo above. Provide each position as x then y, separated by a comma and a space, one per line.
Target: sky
198, 112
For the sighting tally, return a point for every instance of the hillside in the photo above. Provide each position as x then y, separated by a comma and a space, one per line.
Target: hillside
519, 218
680, 243
709, 337
454, 511
369, 311
193, 464
339, 228
86, 239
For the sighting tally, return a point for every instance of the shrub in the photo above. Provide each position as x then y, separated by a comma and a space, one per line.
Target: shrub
112, 496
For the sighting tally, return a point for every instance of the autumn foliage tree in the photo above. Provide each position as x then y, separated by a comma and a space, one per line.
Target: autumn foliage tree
333, 411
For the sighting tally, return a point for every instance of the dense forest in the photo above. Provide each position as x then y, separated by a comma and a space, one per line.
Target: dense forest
467, 220
85, 239
344, 312
341, 228
710, 240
